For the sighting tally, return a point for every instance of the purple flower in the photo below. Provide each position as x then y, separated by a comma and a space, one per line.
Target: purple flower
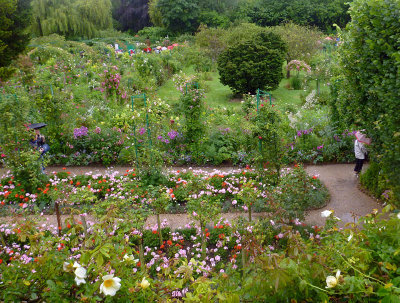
160, 138
79, 132
172, 134
320, 147
142, 131
97, 130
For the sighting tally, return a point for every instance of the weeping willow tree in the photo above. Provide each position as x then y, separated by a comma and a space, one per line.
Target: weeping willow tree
71, 18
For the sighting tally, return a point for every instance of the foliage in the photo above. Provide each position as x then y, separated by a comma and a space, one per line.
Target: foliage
179, 16
14, 18
322, 14
303, 41
154, 33
268, 132
131, 14
367, 92
210, 41
22, 159
71, 18
155, 13
298, 191
253, 262
254, 64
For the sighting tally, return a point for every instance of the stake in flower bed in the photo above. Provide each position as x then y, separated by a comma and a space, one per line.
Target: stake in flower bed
159, 204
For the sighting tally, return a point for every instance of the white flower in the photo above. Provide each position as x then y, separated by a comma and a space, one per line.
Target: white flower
110, 285
144, 284
350, 237
332, 281
326, 213
398, 215
130, 258
80, 275
68, 267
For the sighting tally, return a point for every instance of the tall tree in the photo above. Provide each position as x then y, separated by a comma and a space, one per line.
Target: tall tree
71, 18
320, 13
14, 18
179, 15
132, 14
302, 41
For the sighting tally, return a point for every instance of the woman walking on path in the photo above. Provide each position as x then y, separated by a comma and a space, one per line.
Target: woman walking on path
360, 151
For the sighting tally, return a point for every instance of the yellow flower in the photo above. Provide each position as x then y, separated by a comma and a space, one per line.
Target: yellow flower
332, 281
144, 284
110, 285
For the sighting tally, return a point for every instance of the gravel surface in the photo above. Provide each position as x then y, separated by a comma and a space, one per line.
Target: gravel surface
347, 201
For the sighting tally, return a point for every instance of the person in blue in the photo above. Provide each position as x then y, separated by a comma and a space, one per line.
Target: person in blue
39, 141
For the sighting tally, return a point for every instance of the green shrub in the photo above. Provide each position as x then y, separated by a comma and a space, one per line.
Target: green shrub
154, 33
369, 93
253, 64
295, 83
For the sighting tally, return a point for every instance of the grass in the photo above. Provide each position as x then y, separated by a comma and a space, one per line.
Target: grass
219, 95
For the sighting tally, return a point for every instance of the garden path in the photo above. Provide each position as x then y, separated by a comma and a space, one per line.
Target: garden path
347, 200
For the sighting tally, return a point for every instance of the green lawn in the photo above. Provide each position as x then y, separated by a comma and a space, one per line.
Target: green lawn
218, 94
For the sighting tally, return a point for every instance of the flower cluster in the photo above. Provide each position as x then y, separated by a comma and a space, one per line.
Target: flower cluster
80, 132
298, 65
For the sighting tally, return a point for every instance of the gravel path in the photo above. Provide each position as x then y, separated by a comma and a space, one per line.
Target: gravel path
348, 202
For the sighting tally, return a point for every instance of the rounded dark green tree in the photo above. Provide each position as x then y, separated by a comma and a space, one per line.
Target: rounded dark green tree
255, 63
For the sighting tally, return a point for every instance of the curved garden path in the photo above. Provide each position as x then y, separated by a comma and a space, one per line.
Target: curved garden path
348, 202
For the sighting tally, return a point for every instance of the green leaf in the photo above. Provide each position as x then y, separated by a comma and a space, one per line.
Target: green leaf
99, 260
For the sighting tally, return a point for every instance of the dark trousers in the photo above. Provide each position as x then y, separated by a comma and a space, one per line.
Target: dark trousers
359, 165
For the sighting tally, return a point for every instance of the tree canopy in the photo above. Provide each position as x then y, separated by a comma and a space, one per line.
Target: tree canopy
14, 18
131, 14
179, 15
71, 18
320, 13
